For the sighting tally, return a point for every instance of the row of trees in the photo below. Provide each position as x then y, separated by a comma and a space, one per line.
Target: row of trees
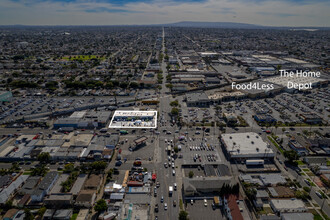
93, 84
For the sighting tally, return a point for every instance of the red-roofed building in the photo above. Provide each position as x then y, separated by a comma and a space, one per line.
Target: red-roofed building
234, 209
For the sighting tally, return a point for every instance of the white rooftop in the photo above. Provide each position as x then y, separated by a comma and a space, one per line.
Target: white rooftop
133, 119
283, 81
287, 205
248, 144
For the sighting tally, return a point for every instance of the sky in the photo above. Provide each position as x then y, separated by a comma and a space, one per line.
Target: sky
139, 12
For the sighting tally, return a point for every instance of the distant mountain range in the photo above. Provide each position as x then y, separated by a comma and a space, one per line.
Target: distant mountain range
193, 24
214, 25
235, 25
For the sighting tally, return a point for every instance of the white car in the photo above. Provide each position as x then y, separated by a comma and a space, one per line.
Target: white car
173, 172
205, 202
165, 206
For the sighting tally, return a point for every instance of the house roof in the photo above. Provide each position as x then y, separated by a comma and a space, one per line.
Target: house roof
85, 196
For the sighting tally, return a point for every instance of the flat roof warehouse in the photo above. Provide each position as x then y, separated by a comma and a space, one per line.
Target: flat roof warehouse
134, 119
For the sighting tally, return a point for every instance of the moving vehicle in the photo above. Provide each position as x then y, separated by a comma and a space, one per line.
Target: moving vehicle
123, 132
319, 195
307, 182
165, 206
170, 190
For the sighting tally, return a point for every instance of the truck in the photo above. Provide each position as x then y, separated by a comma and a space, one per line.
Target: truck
123, 132
169, 149
103, 130
170, 190
254, 162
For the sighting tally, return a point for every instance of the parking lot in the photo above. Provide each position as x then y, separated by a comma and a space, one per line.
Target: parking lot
201, 150
198, 211
25, 106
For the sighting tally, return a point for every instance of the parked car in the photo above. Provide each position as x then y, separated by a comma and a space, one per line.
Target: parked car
205, 202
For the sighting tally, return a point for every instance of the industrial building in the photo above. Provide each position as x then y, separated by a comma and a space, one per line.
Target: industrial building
84, 119
199, 187
199, 99
264, 118
218, 97
283, 81
310, 118
134, 119
287, 205
243, 146
296, 146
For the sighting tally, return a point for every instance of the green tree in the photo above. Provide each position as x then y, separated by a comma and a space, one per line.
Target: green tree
176, 149
291, 155
307, 189
183, 215
174, 103
52, 85
170, 86
28, 215
101, 205
44, 157
99, 165
39, 171
251, 193
68, 168
134, 85
175, 111
41, 211
14, 167
8, 204
191, 174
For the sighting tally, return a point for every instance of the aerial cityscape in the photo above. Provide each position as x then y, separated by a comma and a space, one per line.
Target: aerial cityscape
180, 120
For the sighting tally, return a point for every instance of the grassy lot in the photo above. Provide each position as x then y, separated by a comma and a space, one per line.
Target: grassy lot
276, 144
305, 169
310, 174
317, 217
325, 215
300, 162
83, 57
265, 211
74, 216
